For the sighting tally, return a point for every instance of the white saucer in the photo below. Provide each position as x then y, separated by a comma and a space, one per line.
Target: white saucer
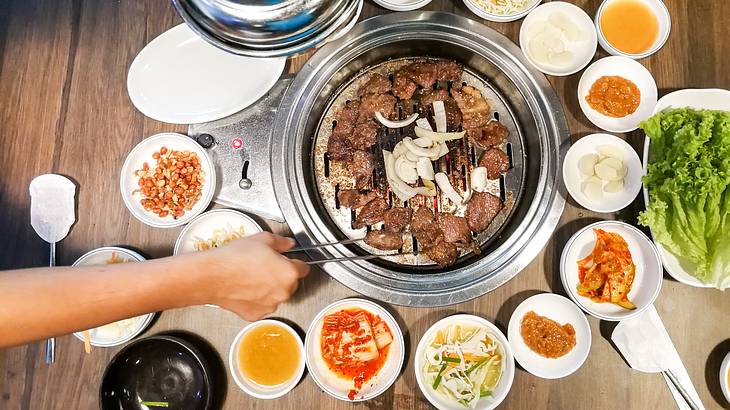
402, 5
647, 278
563, 311
179, 78
143, 153
202, 226
630, 70
611, 202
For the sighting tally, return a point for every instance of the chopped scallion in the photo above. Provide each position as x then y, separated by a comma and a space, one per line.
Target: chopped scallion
155, 403
476, 366
451, 359
439, 376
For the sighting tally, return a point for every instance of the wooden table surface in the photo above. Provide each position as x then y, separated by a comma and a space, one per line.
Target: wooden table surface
64, 108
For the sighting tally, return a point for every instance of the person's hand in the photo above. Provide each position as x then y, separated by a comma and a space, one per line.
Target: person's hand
251, 276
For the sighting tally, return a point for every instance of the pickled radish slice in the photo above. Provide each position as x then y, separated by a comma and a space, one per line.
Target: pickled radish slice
614, 186
611, 151
605, 171
586, 164
592, 189
565, 24
561, 59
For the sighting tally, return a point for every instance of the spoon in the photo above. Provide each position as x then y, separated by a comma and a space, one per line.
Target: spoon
52, 199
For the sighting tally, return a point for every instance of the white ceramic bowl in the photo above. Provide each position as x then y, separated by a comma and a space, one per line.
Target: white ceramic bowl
402, 5
101, 338
703, 99
630, 70
724, 374
202, 226
647, 279
143, 153
663, 19
253, 389
338, 387
611, 202
583, 51
563, 311
500, 18
485, 403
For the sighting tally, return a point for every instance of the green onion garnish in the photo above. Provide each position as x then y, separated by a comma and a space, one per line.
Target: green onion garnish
451, 359
438, 377
155, 403
476, 366
485, 393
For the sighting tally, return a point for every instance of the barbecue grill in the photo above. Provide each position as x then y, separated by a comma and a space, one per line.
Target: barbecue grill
305, 183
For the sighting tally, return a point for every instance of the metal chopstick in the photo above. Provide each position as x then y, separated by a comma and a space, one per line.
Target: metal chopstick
682, 391
322, 245
353, 258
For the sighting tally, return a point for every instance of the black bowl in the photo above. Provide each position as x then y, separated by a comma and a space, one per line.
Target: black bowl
160, 368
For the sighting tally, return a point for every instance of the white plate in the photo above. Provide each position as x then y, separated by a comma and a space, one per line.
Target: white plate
330, 382
647, 279
583, 51
100, 256
563, 311
499, 18
202, 227
252, 388
724, 374
573, 178
704, 99
143, 153
630, 70
485, 403
402, 5
181, 79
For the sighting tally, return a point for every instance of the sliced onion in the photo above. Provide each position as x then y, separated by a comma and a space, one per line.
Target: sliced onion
420, 151
423, 142
439, 137
406, 170
443, 181
399, 149
396, 124
439, 115
443, 150
478, 180
411, 156
425, 169
402, 190
423, 123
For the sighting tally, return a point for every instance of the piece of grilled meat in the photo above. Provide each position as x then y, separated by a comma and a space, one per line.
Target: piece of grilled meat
372, 103
443, 253
376, 84
490, 135
354, 198
475, 110
495, 161
396, 219
455, 228
403, 87
481, 210
363, 164
373, 212
364, 135
384, 240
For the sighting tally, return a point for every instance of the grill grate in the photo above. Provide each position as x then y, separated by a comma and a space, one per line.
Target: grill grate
331, 177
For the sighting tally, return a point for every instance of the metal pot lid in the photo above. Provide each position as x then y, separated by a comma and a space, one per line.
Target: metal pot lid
485, 53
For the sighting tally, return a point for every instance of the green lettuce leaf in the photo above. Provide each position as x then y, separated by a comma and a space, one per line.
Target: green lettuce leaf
688, 177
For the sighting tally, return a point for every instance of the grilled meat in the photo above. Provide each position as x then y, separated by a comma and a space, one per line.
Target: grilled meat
481, 210
377, 84
354, 198
339, 147
346, 118
490, 135
371, 213
455, 229
443, 253
449, 71
370, 103
403, 87
384, 240
425, 228
364, 135
423, 73
495, 161
396, 219
363, 164
474, 108
429, 96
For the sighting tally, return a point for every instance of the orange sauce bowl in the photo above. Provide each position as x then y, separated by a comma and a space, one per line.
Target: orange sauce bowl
632, 28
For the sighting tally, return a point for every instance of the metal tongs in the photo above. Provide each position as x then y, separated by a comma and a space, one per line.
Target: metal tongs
342, 259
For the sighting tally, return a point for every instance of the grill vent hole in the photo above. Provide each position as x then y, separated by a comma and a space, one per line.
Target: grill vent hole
502, 189
326, 165
510, 153
496, 115
337, 196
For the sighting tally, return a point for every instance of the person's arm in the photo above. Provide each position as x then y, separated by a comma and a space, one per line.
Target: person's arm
248, 276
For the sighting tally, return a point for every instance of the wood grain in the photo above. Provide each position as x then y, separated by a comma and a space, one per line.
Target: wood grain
64, 109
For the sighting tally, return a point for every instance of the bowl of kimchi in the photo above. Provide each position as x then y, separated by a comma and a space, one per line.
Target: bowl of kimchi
611, 270
354, 350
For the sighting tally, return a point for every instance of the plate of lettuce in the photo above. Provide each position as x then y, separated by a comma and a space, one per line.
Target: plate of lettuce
687, 185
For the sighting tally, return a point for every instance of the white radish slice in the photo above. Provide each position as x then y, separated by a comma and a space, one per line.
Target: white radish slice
564, 23
396, 124
438, 137
425, 169
623, 171
406, 170
614, 186
439, 116
443, 182
423, 123
605, 171
610, 151
537, 28
553, 42
538, 51
592, 189
562, 59
478, 179
615, 164
586, 164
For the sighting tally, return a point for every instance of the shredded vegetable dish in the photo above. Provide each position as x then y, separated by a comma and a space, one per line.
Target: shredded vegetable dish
607, 274
464, 363
503, 7
355, 345
221, 237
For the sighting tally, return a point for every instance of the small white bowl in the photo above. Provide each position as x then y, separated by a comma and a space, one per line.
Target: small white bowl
583, 50
724, 374
402, 5
202, 226
630, 70
338, 387
663, 19
261, 392
100, 256
485, 403
563, 311
500, 18
647, 279
143, 153
611, 202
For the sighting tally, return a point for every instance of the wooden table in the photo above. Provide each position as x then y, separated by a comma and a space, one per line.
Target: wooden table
65, 109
